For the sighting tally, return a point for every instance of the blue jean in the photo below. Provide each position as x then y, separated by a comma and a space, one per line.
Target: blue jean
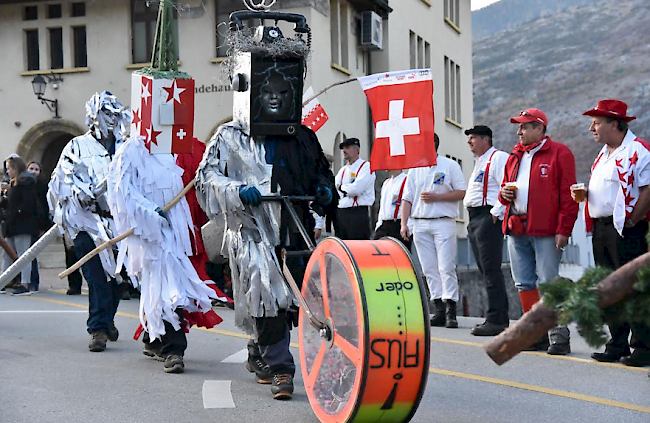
533, 260
103, 293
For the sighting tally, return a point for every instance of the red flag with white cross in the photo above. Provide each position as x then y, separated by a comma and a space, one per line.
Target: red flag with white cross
163, 113
402, 110
313, 113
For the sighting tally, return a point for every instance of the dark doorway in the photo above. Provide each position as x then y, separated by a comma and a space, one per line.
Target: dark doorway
52, 152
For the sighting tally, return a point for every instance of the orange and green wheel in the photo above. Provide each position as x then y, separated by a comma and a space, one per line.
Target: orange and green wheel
371, 364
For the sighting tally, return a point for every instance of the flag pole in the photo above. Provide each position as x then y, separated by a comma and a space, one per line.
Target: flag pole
304, 103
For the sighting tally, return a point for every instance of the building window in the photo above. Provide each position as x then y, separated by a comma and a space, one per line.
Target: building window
56, 48
79, 46
339, 30
31, 48
420, 52
223, 10
53, 11
452, 90
452, 12
77, 10
144, 15
30, 13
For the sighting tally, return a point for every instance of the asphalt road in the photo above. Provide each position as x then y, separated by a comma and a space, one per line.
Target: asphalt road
48, 375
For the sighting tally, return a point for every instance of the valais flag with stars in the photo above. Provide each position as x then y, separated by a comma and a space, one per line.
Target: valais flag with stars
163, 113
402, 110
313, 114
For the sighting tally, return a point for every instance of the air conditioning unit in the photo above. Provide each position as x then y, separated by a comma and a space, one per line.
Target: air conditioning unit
372, 31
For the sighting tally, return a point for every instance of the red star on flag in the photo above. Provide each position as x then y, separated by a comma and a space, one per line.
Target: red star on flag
628, 198
630, 179
174, 92
621, 176
152, 136
136, 119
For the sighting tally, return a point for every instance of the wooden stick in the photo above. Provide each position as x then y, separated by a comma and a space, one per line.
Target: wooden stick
119, 238
326, 89
10, 251
540, 319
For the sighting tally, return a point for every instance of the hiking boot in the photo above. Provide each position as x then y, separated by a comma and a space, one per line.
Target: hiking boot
261, 369
21, 290
450, 317
113, 333
174, 364
559, 341
438, 318
97, 341
71, 291
282, 387
610, 355
488, 329
152, 351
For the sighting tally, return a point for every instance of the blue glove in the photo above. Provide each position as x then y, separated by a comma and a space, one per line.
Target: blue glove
250, 195
162, 214
323, 195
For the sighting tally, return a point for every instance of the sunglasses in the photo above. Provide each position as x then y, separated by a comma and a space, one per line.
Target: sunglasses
525, 113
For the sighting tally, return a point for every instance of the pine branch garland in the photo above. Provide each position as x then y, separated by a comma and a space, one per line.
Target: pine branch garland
578, 302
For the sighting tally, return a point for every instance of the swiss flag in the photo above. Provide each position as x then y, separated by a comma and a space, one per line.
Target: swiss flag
163, 113
402, 110
313, 114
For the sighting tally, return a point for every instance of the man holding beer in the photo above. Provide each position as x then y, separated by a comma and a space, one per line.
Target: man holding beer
540, 214
618, 201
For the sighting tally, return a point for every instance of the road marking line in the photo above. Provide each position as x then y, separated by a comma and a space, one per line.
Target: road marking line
540, 389
43, 311
238, 357
217, 394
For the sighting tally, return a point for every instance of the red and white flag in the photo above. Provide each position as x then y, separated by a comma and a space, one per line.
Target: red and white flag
402, 110
313, 114
163, 113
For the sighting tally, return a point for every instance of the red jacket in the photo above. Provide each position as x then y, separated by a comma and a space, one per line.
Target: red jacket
551, 210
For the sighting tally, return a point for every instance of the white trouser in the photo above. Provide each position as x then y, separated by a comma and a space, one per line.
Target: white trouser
435, 240
20, 244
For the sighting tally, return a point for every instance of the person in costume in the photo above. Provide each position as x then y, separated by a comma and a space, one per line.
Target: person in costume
261, 153
77, 200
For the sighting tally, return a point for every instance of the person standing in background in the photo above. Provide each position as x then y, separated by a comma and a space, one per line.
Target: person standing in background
390, 207
356, 188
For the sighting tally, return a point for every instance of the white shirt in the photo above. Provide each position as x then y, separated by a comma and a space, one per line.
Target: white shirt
474, 195
604, 183
359, 184
390, 199
443, 178
523, 180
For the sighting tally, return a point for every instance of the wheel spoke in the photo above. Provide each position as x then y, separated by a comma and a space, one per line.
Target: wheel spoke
323, 278
348, 349
310, 379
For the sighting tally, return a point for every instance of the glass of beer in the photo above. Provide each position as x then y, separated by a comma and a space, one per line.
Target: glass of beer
512, 187
579, 191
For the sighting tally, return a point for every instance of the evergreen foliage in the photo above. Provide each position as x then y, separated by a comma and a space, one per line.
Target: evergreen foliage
578, 302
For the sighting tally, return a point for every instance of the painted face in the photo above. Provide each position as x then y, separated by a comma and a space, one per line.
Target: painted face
34, 168
276, 97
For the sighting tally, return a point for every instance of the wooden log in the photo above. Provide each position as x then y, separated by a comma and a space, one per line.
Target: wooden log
119, 238
540, 319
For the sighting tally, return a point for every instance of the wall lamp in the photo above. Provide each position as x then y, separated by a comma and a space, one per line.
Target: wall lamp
39, 84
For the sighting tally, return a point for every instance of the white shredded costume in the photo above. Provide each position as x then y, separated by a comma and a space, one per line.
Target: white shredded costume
232, 159
156, 256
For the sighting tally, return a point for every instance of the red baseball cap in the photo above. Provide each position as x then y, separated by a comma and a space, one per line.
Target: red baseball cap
530, 115
615, 109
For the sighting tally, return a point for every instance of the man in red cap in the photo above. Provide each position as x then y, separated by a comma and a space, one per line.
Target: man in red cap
618, 201
540, 214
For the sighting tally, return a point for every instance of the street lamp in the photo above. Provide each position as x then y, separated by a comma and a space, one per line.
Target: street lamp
39, 84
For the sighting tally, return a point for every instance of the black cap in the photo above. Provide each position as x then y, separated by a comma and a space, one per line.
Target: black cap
350, 141
479, 130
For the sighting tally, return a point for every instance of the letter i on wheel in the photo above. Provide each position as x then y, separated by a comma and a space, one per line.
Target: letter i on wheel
370, 363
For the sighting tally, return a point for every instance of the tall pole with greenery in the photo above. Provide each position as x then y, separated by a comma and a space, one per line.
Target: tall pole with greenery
165, 45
